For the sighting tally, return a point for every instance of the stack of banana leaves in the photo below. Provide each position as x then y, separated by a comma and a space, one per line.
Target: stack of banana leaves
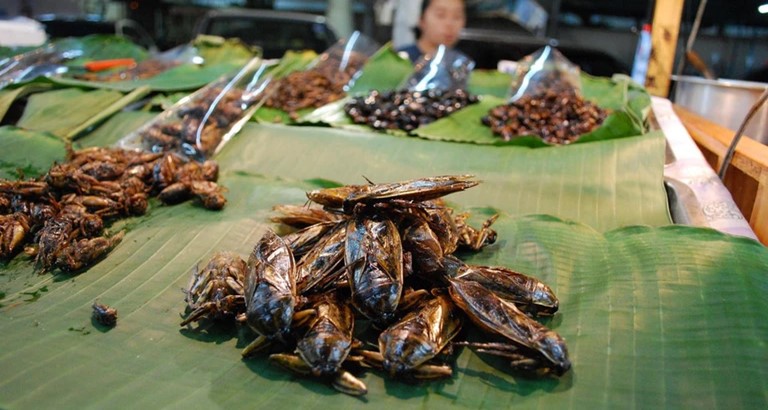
654, 314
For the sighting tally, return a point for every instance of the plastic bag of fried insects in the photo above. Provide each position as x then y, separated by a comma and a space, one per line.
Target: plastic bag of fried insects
326, 79
445, 69
545, 69
156, 64
436, 88
201, 123
545, 101
43, 61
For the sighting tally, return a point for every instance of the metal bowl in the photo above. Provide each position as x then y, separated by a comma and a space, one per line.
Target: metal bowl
725, 102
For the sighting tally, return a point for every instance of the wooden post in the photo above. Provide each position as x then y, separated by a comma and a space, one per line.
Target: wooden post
664, 31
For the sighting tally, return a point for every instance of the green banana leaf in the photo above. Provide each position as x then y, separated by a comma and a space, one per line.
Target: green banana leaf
90, 47
27, 154
465, 126
605, 185
101, 47
652, 317
115, 128
70, 111
662, 316
628, 103
6, 51
221, 57
385, 70
7, 97
489, 82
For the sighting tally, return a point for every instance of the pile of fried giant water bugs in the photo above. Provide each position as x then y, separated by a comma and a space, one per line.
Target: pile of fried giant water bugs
381, 254
59, 219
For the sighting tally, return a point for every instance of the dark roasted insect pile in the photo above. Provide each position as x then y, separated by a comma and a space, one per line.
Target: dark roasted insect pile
381, 254
61, 216
406, 110
314, 87
557, 115
180, 132
145, 69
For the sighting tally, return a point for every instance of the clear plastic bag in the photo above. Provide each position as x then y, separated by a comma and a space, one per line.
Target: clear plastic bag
200, 124
343, 62
445, 69
546, 69
328, 77
40, 62
157, 64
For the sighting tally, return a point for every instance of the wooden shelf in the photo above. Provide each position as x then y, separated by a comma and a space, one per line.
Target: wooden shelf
747, 175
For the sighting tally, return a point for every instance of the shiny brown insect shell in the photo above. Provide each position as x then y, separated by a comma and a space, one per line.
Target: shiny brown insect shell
527, 293
424, 245
422, 189
324, 263
374, 257
328, 340
301, 216
442, 222
546, 352
334, 197
270, 287
419, 336
303, 240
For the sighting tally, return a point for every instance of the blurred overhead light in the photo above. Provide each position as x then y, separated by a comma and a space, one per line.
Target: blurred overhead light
763, 8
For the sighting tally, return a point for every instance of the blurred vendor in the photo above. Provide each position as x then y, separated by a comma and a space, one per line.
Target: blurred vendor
440, 22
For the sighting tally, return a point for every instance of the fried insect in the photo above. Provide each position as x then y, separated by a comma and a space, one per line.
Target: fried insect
59, 218
104, 314
14, 229
531, 347
270, 292
209, 193
529, 294
325, 346
303, 240
382, 254
24, 188
302, 216
85, 252
421, 189
424, 245
323, 265
406, 347
374, 257
216, 292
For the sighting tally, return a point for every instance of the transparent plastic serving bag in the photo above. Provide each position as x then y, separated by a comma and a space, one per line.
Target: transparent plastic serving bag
201, 123
157, 64
40, 62
327, 78
545, 69
343, 62
445, 69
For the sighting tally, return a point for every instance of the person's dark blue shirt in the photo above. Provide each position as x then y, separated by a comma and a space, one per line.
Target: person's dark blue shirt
413, 52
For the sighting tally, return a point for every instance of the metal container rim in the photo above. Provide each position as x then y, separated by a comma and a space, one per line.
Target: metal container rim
722, 82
